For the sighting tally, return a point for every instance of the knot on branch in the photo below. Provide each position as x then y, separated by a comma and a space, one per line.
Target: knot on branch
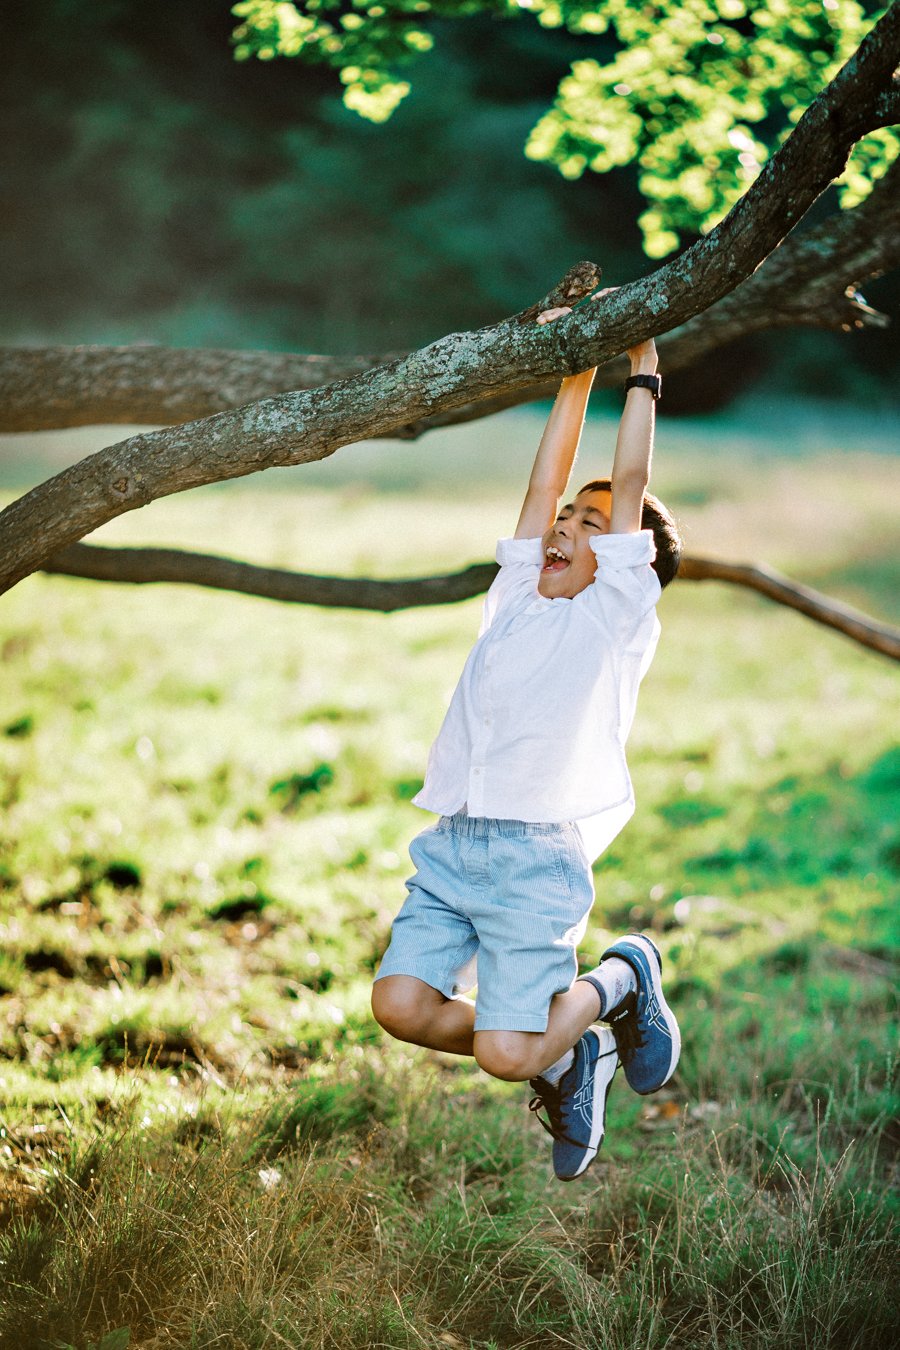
578, 282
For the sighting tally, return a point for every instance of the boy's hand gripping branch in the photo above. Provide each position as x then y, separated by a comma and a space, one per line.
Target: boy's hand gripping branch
562, 434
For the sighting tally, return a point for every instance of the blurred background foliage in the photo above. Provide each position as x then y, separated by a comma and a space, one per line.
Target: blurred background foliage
675, 90
158, 190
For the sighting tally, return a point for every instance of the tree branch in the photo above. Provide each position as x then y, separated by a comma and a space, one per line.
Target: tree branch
879, 637
145, 565
810, 280
298, 428
887, 109
44, 388
804, 282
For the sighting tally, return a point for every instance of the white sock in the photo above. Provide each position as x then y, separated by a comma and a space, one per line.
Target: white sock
613, 979
556, 1071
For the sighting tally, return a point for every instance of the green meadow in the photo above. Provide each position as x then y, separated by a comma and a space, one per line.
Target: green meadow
207, 1142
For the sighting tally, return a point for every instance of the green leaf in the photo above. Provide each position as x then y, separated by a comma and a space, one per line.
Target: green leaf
116, 1340
675, 87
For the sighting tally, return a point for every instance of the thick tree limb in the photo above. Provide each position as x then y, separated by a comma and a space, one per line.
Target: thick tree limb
808, 281
48, 387
42, 388
298, 428
143, 565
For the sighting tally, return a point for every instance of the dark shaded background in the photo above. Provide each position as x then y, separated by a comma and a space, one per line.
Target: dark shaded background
156, 191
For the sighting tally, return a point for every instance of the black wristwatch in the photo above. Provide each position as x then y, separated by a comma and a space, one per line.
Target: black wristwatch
651, 382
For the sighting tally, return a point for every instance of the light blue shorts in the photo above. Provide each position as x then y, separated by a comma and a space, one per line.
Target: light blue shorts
498, 903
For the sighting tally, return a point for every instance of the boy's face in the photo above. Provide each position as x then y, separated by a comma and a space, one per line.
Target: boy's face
570, 535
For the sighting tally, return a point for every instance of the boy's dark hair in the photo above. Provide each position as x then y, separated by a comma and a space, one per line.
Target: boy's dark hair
660, 520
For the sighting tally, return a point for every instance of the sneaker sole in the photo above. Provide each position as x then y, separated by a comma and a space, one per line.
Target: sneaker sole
654, 965
598, 1134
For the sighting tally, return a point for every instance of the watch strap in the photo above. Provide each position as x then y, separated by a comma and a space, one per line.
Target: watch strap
651, 382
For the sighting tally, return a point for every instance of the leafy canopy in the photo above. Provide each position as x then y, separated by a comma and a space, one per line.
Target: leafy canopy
696, 93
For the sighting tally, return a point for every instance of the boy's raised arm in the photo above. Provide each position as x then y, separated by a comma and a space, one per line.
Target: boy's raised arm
634, 446
557, 450
559, 446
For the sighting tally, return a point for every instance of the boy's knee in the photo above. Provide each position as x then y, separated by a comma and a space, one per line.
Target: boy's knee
397, 1008
389, 1008
506, 1054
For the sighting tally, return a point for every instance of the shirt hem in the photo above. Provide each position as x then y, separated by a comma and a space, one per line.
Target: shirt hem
530, 818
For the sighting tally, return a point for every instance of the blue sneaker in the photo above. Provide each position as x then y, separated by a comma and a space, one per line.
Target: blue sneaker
647, 1035
576, 1105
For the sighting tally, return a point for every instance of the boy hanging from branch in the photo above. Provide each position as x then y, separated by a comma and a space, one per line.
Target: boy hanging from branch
528, 776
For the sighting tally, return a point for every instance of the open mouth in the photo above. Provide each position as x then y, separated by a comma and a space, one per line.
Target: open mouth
556, 560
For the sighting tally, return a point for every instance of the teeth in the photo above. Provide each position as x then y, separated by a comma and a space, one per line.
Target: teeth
553, 552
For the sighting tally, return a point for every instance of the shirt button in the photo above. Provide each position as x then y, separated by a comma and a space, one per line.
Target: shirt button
476, 772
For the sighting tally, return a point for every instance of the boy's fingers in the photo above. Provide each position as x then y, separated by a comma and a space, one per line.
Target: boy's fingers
549, 314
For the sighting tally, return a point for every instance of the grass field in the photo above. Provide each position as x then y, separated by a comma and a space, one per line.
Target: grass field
206, 1141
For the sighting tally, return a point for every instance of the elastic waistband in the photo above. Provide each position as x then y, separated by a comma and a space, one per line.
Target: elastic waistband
482, 827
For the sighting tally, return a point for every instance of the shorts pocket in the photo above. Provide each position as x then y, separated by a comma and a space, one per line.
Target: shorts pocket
574, 871
572, 835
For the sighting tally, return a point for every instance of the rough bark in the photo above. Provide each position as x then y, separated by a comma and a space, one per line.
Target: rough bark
145, 565
42, 388
50, 387
300, 427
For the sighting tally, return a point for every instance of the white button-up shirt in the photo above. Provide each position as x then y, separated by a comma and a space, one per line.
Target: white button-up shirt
536, 728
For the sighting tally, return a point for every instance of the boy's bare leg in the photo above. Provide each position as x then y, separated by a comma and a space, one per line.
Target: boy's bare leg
413, 1011
519, 1055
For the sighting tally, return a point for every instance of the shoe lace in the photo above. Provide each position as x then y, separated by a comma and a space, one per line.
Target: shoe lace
626, 1029
548, 1098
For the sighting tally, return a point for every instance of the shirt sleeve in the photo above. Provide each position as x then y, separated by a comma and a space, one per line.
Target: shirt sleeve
516, 583
625, 586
